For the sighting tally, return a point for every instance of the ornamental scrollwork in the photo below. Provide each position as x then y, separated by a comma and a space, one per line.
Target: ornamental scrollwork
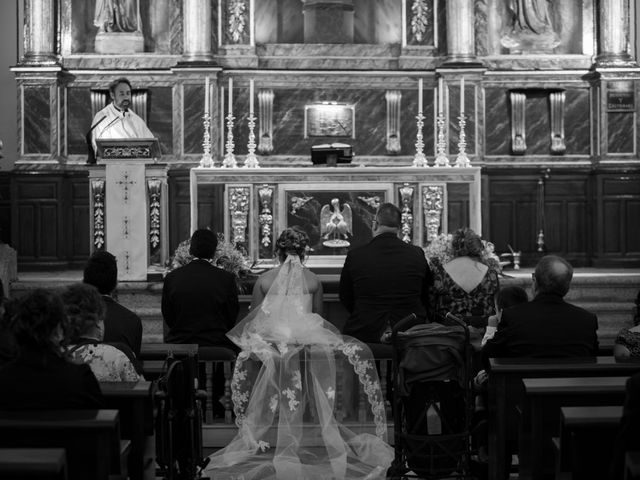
265, 218
236, 19
97, 189
239, 213
406, 197
432, 204
419, 19
154, 186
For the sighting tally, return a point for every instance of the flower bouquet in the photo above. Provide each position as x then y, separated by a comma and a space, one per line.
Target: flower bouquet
441, 249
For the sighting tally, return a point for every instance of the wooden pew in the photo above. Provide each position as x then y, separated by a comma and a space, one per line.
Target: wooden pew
545, 396
33, 463
91, 439
505, 391
133, 400
160, 351
587, 436
632, 466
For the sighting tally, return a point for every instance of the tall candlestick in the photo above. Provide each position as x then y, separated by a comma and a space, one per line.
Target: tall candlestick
230, 96
440, 95
462, 95
419, 95
251, 97
206, 95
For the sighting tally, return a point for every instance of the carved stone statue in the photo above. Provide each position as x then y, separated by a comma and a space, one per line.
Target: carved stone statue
336, 224
119, 26
530, 27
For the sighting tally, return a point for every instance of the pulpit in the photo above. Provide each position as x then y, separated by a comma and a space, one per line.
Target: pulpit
129, 205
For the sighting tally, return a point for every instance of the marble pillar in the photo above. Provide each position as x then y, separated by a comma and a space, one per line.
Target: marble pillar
614, 33
197, 32
40, 32
460, 32
265, 121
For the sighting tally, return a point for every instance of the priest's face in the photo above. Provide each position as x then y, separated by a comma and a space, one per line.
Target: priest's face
121, 96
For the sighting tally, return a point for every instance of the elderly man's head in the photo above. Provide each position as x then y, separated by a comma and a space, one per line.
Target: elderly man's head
553, 275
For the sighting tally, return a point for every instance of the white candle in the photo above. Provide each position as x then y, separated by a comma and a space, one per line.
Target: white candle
230, 96
440, 95
251, 97
461, 95
419, 95
206, 94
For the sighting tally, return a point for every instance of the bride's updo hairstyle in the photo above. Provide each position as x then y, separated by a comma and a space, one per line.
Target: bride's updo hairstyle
292, 241
466, 243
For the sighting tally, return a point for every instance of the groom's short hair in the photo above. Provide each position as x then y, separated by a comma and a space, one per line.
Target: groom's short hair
388, 215
203, 243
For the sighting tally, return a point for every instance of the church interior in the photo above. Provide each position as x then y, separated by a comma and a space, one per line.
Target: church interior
515, 118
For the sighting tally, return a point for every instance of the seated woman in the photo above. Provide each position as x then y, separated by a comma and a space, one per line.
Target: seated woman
627, 343
40, 376
86, 310
466, 285
284, 385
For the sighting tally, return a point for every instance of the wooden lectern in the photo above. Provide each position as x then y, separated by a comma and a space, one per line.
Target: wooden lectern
129, 205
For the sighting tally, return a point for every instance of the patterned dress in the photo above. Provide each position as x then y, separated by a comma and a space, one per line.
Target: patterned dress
107, 363
630, 340
474, 306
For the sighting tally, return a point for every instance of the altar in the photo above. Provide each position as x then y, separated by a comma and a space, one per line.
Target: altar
259, 203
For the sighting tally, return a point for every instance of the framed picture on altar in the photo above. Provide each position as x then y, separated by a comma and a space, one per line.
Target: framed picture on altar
336, 219
329, 119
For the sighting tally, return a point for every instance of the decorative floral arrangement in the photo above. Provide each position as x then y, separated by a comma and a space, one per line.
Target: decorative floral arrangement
227, 257
441, 249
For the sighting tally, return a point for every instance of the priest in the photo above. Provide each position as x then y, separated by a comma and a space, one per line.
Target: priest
116, 120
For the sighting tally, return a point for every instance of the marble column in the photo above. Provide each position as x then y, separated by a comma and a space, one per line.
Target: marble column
614, 33
197, 26
393, 98
40, 32
460, 32
265, 121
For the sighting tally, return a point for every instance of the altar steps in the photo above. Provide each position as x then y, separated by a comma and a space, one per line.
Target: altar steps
607, 293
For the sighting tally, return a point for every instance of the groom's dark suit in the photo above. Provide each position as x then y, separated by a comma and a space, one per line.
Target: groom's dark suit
199, 304
383, 281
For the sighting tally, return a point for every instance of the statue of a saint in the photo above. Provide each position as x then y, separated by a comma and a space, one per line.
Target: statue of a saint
117, 16
336, 224
530, 28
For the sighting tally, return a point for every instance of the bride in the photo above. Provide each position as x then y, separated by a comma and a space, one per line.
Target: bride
284, 385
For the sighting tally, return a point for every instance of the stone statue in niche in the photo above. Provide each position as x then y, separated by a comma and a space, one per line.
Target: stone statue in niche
119, 26
530, 27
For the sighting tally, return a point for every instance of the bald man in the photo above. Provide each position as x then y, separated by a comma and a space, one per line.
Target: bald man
547, 326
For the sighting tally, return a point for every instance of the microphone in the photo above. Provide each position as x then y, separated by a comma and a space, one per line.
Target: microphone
91, 157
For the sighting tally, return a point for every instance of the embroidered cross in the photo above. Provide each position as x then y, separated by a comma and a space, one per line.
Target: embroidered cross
125, 224
125, 185
126, 261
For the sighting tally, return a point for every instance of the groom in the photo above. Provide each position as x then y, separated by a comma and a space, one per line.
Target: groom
384, 280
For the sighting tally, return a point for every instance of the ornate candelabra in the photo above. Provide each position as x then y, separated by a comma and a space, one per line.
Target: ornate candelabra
462, 160
251, 161
419, 159
229, 158
206, 161
442, 160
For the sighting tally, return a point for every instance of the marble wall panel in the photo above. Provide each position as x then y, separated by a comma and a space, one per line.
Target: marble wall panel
454, 113
481, 10
37, 120
370, 120
620, 132
192, 115
266, 23
78, 119
241, 114
176, 27
160, 116
427, 36
290, 22
498, 124
537, 125
577, 129
408, 126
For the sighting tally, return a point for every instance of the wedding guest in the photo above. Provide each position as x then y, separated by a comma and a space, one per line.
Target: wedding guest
505, 298
121, 325
40, 376
547, 326
86, 310
383, 281
465, 286
200, 300
627, 343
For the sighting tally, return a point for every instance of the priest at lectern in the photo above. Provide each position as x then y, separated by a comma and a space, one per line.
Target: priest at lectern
116, 120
